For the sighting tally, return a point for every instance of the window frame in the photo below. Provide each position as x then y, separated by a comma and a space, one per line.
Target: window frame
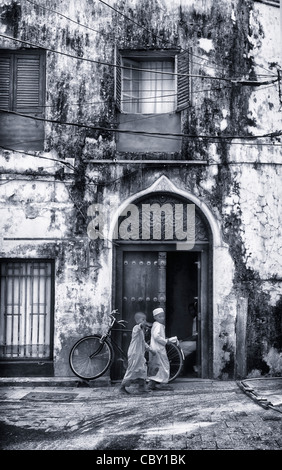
29, 53
4, 304
182, 69
33, 99
138, 75
133, 78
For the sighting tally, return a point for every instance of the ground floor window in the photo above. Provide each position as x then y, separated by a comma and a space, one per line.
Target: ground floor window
26, 300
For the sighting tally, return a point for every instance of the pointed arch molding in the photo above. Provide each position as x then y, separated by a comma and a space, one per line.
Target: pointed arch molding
163, 184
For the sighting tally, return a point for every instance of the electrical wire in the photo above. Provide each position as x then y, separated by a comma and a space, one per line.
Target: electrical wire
142, 100
64, 16
139, 25
90, 103
35, 178
119, 130
69, 165
162, 39
144, 133
103, 63
80, 24
209, 140
138, 117
86, 59
89, 182
109, 182
108, 63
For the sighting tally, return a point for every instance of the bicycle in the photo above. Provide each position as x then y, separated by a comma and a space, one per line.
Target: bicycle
91, 356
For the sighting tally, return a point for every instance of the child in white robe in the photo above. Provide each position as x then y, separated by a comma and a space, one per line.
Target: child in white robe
137, 367
159, 368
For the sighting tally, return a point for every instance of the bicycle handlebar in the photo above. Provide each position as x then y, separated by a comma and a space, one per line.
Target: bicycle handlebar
120, 322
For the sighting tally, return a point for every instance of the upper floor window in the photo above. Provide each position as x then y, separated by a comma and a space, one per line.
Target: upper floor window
22, 89
148, 86
152, 82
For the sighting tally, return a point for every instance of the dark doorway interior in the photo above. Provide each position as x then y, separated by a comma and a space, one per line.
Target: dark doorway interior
181, 291
182, 304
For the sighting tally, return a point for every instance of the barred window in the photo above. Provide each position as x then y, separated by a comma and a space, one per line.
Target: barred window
26, 301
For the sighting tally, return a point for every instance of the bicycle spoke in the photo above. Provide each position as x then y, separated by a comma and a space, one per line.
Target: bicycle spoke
89, 358
175, 361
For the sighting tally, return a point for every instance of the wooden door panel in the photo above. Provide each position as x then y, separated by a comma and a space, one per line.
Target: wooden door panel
140, 287
137, 289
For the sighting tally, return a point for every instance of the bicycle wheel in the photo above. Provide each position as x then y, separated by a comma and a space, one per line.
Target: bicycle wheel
89, 358
175, 357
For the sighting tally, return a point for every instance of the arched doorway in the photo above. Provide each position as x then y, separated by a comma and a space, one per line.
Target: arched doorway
156, 272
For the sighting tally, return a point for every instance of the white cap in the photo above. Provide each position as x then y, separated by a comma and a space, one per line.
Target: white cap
157, 311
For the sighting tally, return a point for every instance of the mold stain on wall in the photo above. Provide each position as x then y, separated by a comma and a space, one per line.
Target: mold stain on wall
223, 42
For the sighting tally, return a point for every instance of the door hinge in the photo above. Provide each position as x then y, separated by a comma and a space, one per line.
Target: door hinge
198, 263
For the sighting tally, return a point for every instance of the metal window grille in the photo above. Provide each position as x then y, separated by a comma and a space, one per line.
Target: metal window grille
26, 309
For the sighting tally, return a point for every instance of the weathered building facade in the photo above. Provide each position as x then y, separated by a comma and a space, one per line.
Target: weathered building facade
106, 109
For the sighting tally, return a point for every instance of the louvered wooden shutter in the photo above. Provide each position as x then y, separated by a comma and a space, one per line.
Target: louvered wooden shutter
183, 80
5, 82
22, 89
28, 96
118, 63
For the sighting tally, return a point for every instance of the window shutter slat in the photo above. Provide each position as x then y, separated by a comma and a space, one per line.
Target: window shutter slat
5, 80
22, 76
118, 79
183, 81
28, 85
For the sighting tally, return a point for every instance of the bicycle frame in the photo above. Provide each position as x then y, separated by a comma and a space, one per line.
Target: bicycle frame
113, 321
105, 336
104, 348
116, 346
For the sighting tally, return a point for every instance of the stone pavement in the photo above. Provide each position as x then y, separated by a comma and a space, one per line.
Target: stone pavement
56, 414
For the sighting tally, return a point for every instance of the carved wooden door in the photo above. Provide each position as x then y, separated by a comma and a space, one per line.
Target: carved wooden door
149, 279
140, 287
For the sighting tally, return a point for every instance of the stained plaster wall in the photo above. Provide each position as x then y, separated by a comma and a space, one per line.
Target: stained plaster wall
239, 189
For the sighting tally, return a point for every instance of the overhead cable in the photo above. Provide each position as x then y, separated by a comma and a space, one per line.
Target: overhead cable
162, 39
64, 16
120, 66
138, 24
129, 131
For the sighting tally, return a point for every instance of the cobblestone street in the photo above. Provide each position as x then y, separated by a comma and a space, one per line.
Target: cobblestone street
197, 415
